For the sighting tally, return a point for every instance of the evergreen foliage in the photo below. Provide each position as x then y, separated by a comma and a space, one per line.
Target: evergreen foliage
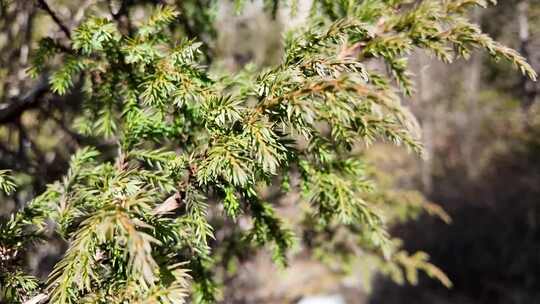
195, 146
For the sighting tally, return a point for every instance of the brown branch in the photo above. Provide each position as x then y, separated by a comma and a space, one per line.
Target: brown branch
43, 5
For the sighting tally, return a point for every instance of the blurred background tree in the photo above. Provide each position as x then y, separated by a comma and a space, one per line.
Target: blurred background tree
479, 125
484, 171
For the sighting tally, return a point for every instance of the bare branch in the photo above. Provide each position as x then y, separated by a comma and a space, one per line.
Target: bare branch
57, 20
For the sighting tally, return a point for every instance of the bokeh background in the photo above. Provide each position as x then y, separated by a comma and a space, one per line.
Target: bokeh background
479, 121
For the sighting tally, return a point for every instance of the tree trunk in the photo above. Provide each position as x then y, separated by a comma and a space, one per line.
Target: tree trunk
472, 118
427, 123
528, 86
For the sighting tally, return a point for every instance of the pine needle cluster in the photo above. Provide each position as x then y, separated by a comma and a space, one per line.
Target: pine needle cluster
190, 143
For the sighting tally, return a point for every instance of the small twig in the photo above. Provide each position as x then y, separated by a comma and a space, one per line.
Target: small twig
121, 161
57, 20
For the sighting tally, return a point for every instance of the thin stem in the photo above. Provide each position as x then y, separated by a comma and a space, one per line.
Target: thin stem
43, 5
